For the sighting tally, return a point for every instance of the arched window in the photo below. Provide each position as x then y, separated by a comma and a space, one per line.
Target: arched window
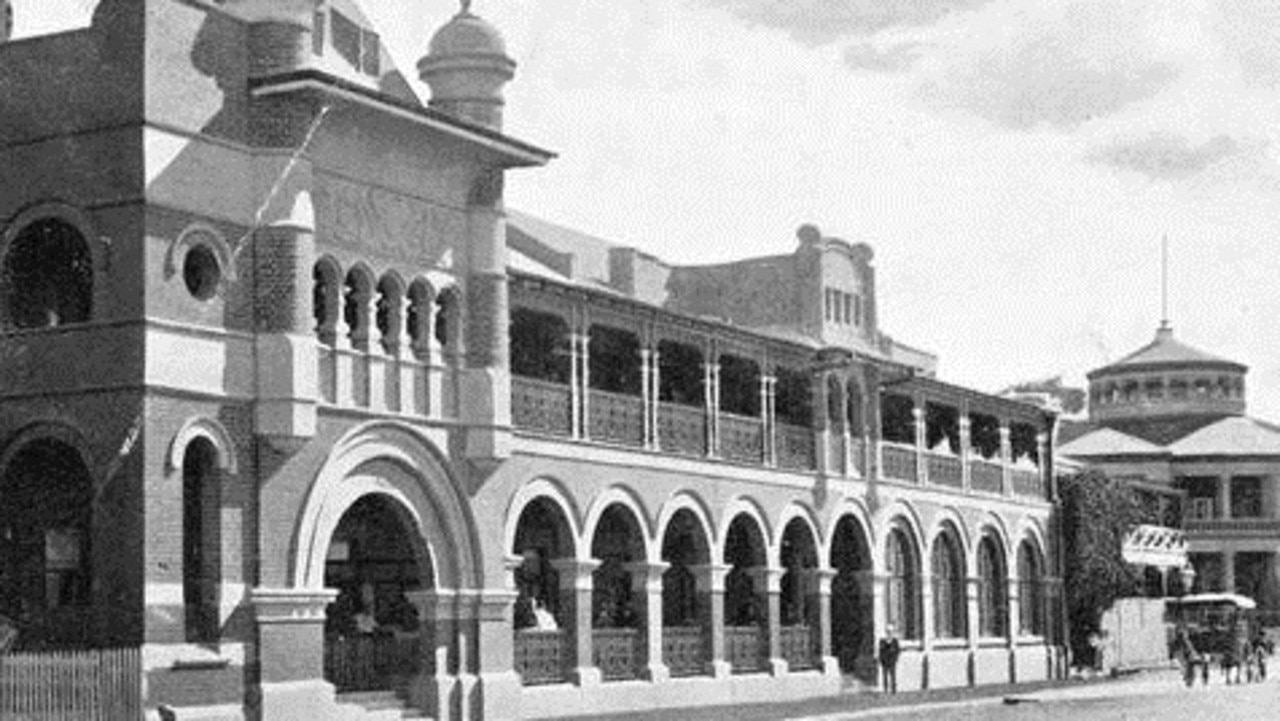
390, 313
355, 307
201, 541
993, 596
948, 587
47, 276
325, 298
448, 318
1031, 619
835, 403
904, 585
418, 318
857, 424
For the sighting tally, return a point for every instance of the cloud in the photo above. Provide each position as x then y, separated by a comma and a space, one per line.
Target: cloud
892, 59
1163, 156
819, 22
1250, 31
1024, 66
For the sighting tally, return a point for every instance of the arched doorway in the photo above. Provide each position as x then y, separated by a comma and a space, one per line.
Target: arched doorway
746, 608
46, 509
685, 618
543, 622
852, 602
617, 637
47, 276
372, 630
798, 604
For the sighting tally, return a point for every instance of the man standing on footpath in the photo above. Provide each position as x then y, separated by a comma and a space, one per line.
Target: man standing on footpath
890, 649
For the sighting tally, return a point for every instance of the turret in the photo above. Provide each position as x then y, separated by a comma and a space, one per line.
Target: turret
466, 67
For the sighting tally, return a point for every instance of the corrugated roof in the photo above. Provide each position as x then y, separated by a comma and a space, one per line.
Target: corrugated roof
1108, 442
1165, 350
1231, 436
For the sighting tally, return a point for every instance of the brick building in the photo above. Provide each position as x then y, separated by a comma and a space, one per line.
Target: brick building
291, 402
1170, 420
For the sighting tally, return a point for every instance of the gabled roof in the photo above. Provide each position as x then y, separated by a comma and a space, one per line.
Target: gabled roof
1231, 436
1166, 352
1109, 442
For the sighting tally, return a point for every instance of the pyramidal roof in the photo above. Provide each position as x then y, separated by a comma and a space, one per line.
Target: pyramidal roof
1166, 352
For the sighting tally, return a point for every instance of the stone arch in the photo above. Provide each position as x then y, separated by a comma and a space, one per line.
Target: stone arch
622, 496
55, 430
949, 516
200, 234
687, 501
790, 513
551, 490
994, 526
73, 218
735, 507
1030, 527
207, 428
898, 514
388, 312
407, 468
848, 507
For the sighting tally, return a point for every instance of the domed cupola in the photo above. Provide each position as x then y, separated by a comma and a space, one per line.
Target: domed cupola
466, 66
1166, 378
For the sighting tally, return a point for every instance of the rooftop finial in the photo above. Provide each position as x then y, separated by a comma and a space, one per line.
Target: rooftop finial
466, 7
1164, 282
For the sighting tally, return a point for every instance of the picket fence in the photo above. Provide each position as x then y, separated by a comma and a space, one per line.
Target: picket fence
94, 685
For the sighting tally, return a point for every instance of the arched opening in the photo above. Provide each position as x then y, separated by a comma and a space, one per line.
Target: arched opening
616, 605
47, 276
46, 509
993, 589
357, 291
903, 592
448, 323
616, 409
682, 398
746, 608
418, 318
799, 602
390, 313
1031, 612
541, 398
543, 536
852, 600
856, 410
201, 541
325, 300
793, 430
371, 629
685, 619
949, 602
741, 428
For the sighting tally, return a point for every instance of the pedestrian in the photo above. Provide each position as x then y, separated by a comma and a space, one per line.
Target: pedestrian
1261, 649
890, 649
1185, 651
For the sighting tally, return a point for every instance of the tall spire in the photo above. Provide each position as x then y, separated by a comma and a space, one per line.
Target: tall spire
466, 7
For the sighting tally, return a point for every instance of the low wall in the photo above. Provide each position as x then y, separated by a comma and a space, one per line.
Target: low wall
1136, 634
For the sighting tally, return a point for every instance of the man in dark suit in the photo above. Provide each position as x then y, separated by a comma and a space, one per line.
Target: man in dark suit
890, 649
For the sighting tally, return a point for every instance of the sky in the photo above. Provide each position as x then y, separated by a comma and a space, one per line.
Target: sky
1013, 163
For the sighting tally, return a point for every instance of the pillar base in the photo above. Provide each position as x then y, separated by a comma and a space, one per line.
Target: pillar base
499, 695
585, 676
779, 667
655, 672
830, 666
720, 669
300, 699
434, 694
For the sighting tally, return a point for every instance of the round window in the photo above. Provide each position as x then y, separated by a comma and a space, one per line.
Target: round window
201, 272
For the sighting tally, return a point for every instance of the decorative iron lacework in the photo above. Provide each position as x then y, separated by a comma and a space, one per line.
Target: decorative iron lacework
616, 417
370, 662
899, 463
741, 438
745, 648
616, 652
540, 405
540, 656
985, 476
682, 429
797, 647
945, 470
684, 650
795, 446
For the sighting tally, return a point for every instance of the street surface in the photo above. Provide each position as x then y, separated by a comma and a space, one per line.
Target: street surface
1157, 696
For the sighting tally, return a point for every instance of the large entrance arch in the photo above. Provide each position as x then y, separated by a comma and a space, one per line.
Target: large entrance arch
852, 600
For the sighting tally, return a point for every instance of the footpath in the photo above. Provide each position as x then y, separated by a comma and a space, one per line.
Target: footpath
851, 705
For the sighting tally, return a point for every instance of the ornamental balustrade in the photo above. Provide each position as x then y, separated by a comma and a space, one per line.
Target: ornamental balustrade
616, 417
986, 476
1027, 482
682, 429
370, 662
741, 438
540, 656
746, 648
944, 469
795, 446
541, 405
898, 461
798, 647
616, 652
350, 378
684, 650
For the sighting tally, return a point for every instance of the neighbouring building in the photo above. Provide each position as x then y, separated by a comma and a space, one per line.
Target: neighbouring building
1170, 420
291, 403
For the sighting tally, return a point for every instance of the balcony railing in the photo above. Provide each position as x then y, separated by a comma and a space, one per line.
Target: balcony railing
682, 429
684, 650
541, 405
795, 447
1243, 526
1027, 482
741, 438
746, 648
797, 647
616, 652
898, 461
351, 378
540, 656
945, 470
374, 662
616, 417
986, 476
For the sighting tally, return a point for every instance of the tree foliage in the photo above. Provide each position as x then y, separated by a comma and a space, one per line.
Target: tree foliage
1097, 513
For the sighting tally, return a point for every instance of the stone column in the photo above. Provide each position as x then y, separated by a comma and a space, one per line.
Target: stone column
1224, 497
769, 580
1006, 458
435, 690
575, 600
922, 464
710, 579
821, 425
646, 400
928, 622
575, 385
1229, 571
496, 688
646, 582
819, 586
291, 652
768, 419
713, 409
965, 449
655, 396
584, 341
1013, 621
973, 623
